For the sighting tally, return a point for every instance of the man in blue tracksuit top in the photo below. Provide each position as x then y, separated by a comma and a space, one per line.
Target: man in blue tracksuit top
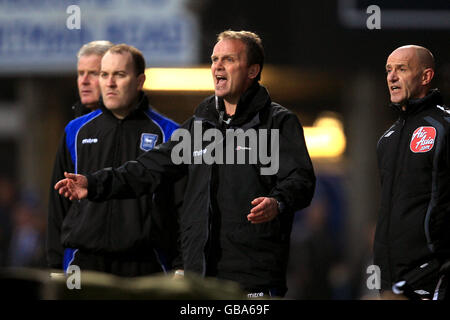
125, 237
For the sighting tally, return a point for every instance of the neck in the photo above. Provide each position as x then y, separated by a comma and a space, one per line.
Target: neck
230, 107
93, 106
120, 114
231, 103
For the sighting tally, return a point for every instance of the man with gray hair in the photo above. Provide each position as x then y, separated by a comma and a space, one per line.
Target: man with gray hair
88, 69
412, 239
89, 59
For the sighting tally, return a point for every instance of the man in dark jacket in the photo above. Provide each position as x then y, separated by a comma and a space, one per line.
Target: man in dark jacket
88, 70
126, 237
240, 199
412, 240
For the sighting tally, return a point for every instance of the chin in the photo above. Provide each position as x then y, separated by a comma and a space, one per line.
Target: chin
218, 94
397, 99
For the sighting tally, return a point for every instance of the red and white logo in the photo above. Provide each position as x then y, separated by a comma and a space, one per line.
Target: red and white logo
423, 139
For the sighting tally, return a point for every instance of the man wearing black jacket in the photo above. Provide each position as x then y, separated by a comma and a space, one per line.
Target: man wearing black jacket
88, 70
124, 237
412, 240
239, 202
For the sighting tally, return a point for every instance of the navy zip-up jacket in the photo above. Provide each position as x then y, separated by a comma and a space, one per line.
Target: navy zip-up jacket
254, 255
145, 225
414, 219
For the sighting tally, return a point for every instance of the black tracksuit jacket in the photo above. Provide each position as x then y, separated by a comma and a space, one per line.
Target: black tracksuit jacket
216, 237
414, 218
126, 226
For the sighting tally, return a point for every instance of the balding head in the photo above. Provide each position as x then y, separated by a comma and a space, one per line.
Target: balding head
425, 58
410, 70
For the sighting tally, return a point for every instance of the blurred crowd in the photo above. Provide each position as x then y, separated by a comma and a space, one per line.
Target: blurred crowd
320, 267
22, 227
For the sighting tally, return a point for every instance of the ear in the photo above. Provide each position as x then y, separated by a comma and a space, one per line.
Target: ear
427, 76
141, 80
253, 71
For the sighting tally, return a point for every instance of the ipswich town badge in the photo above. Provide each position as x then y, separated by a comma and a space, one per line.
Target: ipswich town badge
148, 141
423, 139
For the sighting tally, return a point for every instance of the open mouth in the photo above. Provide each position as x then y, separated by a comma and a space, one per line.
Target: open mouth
395, 88
220, 80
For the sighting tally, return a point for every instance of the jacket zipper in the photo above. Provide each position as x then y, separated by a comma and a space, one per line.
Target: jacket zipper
397, 151
117, 142
207, 244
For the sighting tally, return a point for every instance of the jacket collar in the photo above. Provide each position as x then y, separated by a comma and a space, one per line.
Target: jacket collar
250, 103
142, 105
416, 105
79, 109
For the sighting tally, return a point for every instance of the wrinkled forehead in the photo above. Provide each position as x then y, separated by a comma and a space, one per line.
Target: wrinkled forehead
89, 61
403, 56
229, 46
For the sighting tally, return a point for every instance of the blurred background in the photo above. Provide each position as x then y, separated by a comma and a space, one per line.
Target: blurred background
324, 61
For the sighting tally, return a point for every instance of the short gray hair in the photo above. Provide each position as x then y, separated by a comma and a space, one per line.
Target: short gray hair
98, 47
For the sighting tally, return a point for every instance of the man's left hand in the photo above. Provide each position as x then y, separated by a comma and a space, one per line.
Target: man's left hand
264, 210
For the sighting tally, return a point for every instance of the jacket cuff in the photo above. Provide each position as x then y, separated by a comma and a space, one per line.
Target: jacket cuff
92, 183
280, 203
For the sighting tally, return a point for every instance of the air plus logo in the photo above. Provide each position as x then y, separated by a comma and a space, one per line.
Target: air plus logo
423, 139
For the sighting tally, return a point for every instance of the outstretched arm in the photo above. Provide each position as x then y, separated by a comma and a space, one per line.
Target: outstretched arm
74, 187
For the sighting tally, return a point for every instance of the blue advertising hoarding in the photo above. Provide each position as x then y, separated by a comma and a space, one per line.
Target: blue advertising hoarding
45, 35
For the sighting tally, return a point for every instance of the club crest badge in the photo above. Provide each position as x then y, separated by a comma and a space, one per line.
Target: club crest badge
148, 141
423, 139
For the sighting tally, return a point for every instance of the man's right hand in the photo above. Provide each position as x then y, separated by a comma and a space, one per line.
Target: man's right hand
73, 187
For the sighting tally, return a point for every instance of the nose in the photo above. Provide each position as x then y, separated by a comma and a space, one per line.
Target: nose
392, 76
217, 65
85, 79
110, 82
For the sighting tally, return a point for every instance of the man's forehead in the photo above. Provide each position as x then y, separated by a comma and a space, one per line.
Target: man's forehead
404, 56
91, 60
116, 59
228, 46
